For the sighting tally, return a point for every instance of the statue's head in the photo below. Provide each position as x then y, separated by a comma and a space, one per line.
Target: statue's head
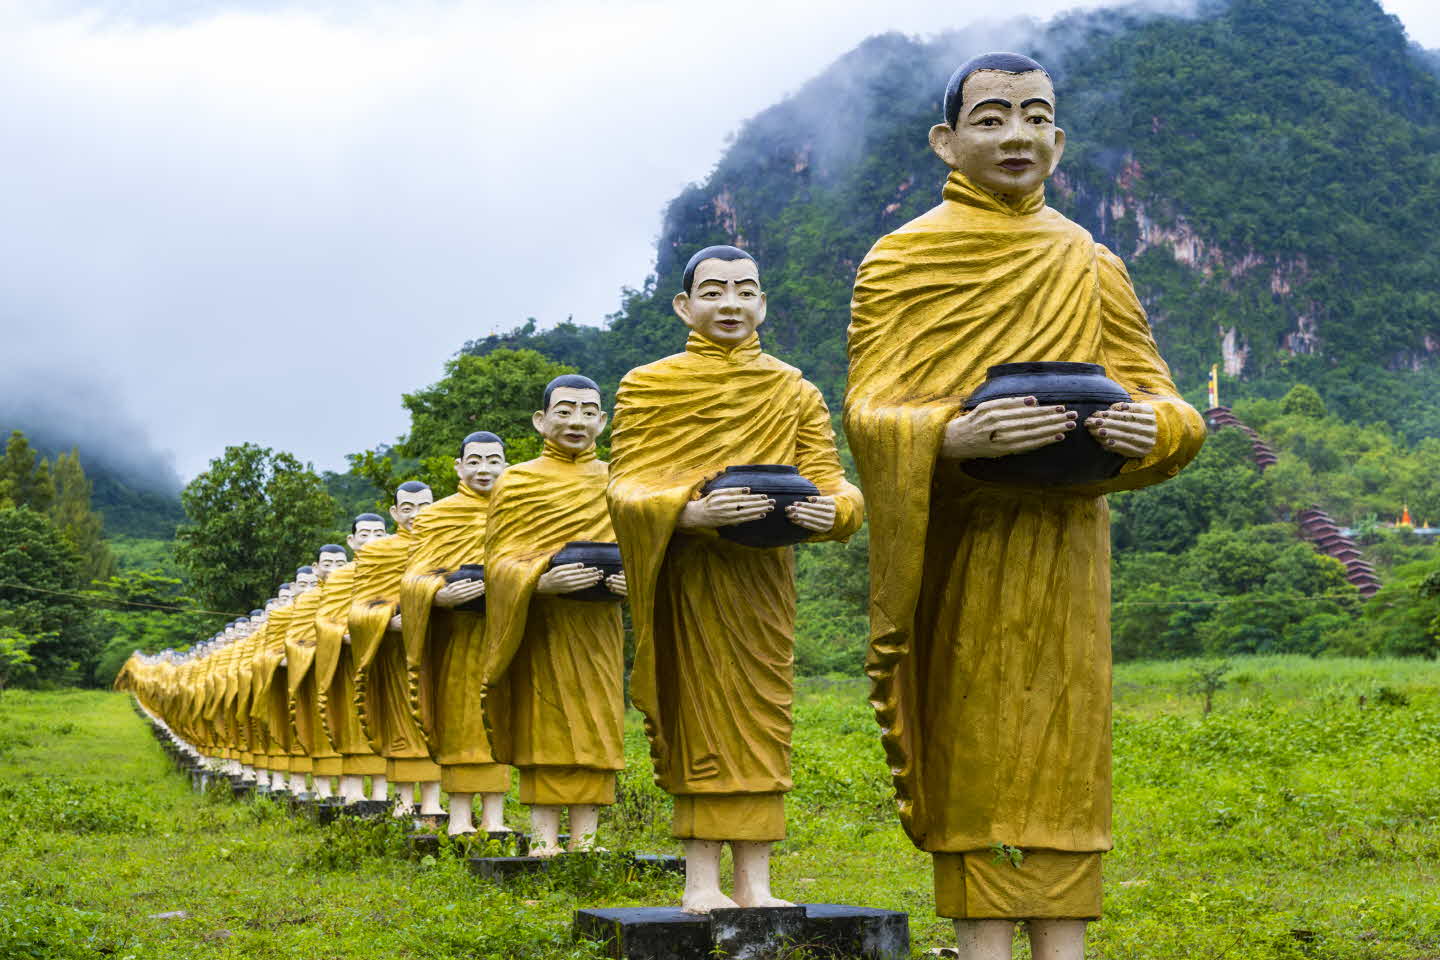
364, 528
305, 578
722, 300
572, 416
332, 557
272, 603
999, 128
411, 497
481, 461
284, 593
257, 617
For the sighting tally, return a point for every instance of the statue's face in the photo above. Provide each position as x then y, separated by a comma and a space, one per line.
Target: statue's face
304, 582
284, 595
258, 622
481, 466
725, 304
574, 419
365, 531
1005, 139
328, 563
408, 505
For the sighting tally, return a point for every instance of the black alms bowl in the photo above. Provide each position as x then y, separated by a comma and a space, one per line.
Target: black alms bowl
781, 483
592, 553
469, 571
1079, 459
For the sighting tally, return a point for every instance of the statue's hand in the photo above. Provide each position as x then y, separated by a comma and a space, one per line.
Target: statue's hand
724, 508
615, 583
567, 578
346, 637
394, 623
998, 428
813, 513
461, 591
1126, 428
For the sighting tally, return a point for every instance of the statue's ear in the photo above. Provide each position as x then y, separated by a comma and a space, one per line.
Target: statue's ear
942, 141
1059, 150
681, 306
535, 419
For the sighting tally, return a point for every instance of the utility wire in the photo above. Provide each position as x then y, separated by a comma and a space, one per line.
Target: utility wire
116, 601
1242, 598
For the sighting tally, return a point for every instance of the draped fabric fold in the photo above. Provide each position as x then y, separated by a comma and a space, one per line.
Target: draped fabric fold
553, 667
714, 621
990, 605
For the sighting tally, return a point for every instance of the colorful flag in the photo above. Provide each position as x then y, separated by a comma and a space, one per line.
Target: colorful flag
1214, 385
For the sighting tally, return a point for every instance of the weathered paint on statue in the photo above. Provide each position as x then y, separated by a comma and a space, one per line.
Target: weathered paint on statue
715, 620
449, 533
990, 605
554, 666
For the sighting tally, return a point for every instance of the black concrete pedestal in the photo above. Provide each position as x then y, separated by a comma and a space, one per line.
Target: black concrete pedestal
821, 929
501, 869
329, 810
368, 809
242, 789
423, 844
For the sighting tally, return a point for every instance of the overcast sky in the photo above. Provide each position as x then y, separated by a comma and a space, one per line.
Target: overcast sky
264, 221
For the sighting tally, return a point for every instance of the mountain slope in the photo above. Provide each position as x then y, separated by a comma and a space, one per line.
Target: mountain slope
1268, 169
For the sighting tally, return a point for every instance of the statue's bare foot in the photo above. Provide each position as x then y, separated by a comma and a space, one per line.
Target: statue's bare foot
459, 830
705, 901
761, 901
547, 850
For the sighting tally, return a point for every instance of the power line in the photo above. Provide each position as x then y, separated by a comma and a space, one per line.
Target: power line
116, 601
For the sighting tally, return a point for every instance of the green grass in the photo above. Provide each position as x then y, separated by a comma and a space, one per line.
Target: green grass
1301, 819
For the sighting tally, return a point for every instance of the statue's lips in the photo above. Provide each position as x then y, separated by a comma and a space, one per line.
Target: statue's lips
1016, 164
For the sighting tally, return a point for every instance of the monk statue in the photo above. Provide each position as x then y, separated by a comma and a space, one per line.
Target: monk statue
554, 666
386, 690
990, 603
274, 724
714, 620
302, 613
335, 673
451, 641
307, 726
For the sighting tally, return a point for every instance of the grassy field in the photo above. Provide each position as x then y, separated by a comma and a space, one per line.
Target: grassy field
1301, 819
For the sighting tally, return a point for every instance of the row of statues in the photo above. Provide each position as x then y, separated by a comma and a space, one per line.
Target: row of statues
481, 641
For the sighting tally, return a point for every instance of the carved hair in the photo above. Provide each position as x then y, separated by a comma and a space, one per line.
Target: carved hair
720, 252
1004, 62
574, 382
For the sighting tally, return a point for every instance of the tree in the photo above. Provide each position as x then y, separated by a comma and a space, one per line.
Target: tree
1303, 401
82, 526
23, 482
148, 612
253, 516
15, 659
496, 392
41, 576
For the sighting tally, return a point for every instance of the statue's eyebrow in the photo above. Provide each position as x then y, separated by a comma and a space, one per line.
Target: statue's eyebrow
1026, 103
1004, 103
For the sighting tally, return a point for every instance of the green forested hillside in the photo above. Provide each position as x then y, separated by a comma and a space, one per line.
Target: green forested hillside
1268, 168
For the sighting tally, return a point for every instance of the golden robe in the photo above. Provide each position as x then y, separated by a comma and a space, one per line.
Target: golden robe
270, 701
990, 605
333, 673
387, 693
239, 708
307, 727
714, 620
553, 668
446, 647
